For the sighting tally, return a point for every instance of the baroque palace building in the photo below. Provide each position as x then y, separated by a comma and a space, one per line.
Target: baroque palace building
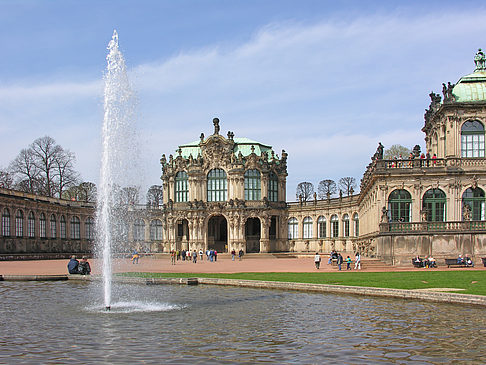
229, 193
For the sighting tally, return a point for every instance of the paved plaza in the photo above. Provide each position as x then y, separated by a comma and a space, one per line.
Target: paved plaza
224, 264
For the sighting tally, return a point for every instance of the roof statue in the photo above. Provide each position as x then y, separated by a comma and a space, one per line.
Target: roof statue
480, 61
216, 126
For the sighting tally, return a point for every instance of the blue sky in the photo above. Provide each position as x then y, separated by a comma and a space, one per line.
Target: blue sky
324, 80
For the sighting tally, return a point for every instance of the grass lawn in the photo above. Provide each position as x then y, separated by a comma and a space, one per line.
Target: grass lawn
473, 282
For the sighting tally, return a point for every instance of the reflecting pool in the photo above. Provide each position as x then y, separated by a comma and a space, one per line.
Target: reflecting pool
63, 322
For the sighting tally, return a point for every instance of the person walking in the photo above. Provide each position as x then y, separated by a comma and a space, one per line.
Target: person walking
201, 253
240, 254
357, 261
317, 260
233, 254
194, 256
339, 261
173, 257
348, 263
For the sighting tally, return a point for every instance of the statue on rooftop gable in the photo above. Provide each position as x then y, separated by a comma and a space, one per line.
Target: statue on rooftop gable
447, 91
480, 61
216, 125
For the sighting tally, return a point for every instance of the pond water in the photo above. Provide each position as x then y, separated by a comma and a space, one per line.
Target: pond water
64, 322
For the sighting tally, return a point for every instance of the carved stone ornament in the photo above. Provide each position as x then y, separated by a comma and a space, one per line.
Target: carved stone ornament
474, 182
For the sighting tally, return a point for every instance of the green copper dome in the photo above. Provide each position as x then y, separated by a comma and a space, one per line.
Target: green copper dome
472, 87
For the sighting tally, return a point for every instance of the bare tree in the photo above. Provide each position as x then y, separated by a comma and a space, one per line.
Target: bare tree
326, 188
87, 192
395, 151
6, 179
305, 190
63, 172
347, 185
129, 195
26, 172
154, 196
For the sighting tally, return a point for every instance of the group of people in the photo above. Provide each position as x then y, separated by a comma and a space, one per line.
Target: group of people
211, 255
466, 260
425, 160
79, 267
339, 260
233, 254
428, 262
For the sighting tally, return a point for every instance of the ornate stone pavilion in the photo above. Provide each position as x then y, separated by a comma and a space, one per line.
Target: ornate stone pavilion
220, 192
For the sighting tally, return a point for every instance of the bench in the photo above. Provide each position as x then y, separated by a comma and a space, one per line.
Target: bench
484, 261
453, 263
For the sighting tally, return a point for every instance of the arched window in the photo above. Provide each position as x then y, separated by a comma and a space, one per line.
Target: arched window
31, 225
307, 227
293, 229
19, 224
346, 225
53, 226
434, 205
399, 206
472, 139
6, 223
42, 226
252, 185
89, 227
139, 230
75, 228
321, 227
474, 200
156, 230
356, 224
181, 187
272, 187
62, 226
217, 189
334, 226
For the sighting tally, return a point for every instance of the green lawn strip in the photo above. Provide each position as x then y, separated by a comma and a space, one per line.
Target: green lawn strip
474, 282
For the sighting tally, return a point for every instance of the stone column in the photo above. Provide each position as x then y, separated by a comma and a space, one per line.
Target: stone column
264, 239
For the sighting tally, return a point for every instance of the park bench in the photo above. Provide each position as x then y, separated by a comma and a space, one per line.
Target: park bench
484, 261
453, 263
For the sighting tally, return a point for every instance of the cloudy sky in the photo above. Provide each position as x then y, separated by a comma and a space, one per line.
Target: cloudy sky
324, 80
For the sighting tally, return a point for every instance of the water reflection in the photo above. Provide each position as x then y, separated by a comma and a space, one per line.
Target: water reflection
56, 322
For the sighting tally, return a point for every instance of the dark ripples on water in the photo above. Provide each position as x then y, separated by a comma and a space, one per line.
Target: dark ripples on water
62, 322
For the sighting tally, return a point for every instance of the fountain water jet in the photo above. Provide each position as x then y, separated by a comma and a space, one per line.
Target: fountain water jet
117, 161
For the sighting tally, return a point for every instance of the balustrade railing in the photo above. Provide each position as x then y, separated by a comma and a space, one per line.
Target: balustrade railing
409, 227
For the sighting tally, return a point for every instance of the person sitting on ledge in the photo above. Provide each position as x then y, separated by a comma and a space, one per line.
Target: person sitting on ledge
460, 260
73, 265
432, 262
84, 268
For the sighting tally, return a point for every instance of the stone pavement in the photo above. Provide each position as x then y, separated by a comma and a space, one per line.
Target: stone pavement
162, 264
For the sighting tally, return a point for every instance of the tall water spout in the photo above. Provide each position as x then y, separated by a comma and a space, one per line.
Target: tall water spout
117, 142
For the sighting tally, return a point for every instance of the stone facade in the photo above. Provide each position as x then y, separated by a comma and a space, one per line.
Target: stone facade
33, 224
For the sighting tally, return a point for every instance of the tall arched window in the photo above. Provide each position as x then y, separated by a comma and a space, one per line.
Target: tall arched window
321, 227
293, 226
156, 230
53, 226
356, 224
434, 205
252, 185
346, 225
6, 223
334, 226
272, 187
19, 224
399, 206
139, 230
42, 226
307, 227
75, 228
89, 227
474, 200
217, 189
62, 227
181, 187
472, 139
31, 225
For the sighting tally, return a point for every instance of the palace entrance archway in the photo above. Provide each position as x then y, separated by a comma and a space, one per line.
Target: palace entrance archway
218, 233
252, 234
